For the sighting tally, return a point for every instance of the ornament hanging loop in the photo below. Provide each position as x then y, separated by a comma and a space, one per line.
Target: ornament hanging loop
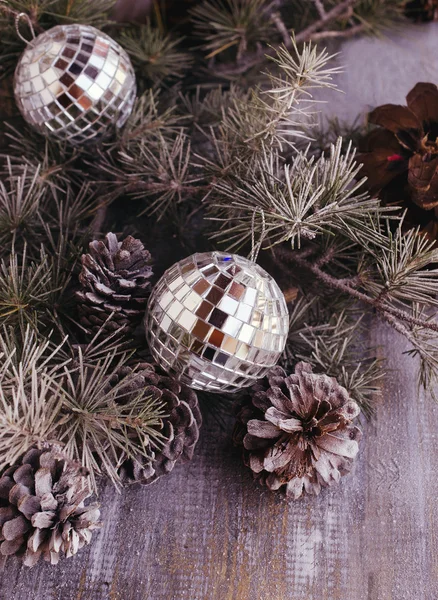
255, 248
18, 19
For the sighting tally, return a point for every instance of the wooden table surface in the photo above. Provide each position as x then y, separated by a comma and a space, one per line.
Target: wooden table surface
207, 532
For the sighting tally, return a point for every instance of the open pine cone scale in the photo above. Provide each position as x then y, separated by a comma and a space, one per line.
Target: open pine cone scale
298, 431
180, 427
42, 509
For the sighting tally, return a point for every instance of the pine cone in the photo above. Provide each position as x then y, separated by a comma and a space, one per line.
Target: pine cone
422, 11
115, 278
296, 431
180, 427
400, 159
42, 510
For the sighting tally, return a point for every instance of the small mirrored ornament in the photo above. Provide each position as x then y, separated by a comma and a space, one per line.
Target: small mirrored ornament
75, 83
218, 321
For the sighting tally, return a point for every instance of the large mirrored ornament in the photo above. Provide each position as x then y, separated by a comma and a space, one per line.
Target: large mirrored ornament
218, 321
75, 83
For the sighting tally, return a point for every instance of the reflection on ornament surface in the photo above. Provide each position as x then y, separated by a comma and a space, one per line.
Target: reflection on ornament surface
75, 83
218, 321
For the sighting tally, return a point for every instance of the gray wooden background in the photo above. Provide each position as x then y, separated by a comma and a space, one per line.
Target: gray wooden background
208, 533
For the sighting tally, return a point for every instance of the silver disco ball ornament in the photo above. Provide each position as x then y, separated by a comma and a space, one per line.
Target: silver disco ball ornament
75, 83
218, 321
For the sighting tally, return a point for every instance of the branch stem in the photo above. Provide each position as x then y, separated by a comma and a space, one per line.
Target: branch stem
99, 220
389, 313
282, 29
312, 32
320, 8
331, 15
346, 33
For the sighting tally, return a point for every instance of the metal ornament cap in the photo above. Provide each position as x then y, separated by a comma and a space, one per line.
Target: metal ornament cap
75, 83
217, 321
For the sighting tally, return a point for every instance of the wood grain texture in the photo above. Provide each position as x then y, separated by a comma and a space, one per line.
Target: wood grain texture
208, 533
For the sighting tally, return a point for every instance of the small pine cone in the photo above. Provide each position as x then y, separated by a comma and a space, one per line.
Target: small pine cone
42, 511
180, 428
297, 431
115, 278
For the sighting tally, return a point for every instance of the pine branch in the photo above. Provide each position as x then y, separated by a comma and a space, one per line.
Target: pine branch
30, 390
276, 203
28, 288
106, 423
257, 123
306, 21
55, 163
240, 148
280, 25
48, 397
28, 415
149, 121
344, 34
160, 172
320, 8
95, 13
20, 201
328, 331
155, 54
238, 25
336, 12
411, 320
24, 351
387, 311
425, 348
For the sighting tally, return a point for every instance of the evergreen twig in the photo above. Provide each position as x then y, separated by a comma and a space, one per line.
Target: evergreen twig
239, 151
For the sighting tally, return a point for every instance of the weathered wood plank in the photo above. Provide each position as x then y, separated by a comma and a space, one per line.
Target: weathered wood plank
208, 533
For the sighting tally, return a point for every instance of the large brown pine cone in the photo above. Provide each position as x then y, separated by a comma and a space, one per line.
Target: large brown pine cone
297, 431
180, 428
422, 10
400, 158
42, 511
115, 278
